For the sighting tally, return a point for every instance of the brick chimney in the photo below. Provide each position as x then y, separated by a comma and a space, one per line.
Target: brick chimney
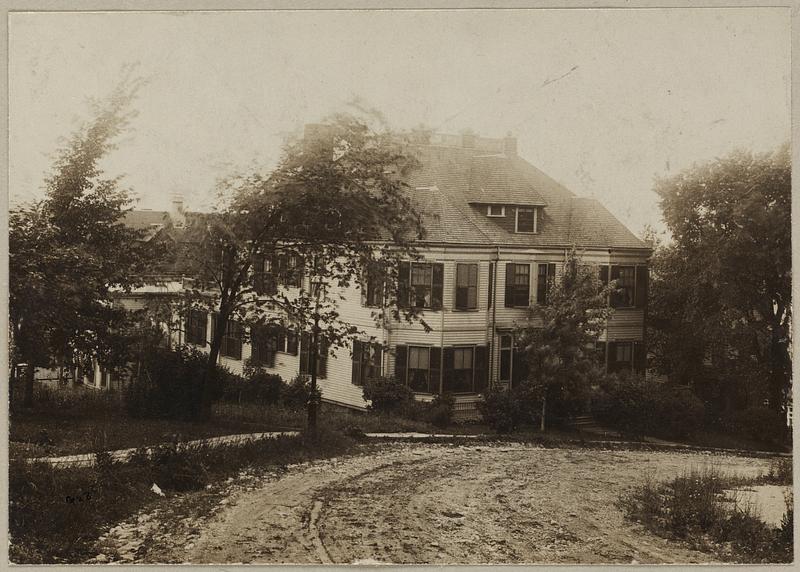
510, 145
176, 212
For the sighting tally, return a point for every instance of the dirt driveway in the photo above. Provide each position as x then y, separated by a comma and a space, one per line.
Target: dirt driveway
447, 504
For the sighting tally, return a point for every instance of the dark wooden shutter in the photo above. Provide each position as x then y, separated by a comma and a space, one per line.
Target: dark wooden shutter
305, 342
616, 299
404, 275
378, 361
612, 356
355, 377
604, 274
447, 372
541, 284
322, 359
481, 373
291, 342
509, 303
213, 330
639, 357
400, 363
236, 339
435, 369
642, 285
491, 284
438, 286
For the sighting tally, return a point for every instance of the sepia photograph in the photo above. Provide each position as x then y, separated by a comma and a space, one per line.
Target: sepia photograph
400, 286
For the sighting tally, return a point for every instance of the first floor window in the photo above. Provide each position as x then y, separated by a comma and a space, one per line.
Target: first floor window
367, 361
448, 370
263, 344
196, 323
305, 356
231, 345
626, 356
466, 286
506, 347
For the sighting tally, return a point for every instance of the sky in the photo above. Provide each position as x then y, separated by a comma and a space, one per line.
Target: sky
604, 101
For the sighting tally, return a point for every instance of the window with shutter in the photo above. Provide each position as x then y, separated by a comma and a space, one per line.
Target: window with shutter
421, 285
305, 356
466, 286
623, 296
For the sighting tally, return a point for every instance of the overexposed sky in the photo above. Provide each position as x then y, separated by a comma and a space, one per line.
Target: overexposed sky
601, 100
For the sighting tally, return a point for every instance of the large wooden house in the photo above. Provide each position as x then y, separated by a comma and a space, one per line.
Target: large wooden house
496, 229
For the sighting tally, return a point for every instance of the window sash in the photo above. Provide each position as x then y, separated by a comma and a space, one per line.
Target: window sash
526, 220
521, 284
466, 286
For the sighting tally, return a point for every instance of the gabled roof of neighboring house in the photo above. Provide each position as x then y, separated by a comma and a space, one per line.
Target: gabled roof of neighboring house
455, 183
148, 220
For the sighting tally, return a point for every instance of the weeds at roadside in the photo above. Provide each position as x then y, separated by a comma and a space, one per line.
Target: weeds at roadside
694, 507
56, 514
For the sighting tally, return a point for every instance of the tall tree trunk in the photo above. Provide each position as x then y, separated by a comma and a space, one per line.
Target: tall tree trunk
206, 391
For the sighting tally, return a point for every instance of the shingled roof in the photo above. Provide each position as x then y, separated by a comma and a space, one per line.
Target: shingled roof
455, 183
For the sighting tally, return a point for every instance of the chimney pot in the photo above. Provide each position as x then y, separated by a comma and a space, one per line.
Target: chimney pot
177, 214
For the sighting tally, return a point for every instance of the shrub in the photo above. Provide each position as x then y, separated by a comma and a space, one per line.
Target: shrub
505, 410
757, 422
439, 412
386, 395
169, 385
638, 408
258, 386
297, 394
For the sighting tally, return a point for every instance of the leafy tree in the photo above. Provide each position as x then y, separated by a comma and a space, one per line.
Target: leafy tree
334, 210
70, 250
559, 336
722, 288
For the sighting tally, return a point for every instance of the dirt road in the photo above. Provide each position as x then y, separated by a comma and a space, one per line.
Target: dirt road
443, 504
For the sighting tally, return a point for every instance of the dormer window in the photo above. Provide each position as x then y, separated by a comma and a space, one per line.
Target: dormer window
526, 220
496, 211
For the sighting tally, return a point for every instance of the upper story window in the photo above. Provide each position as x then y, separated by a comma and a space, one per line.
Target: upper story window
373, 290
496, 210
466, 286
518, 283
421, 285
632, 284
544, 277
263, 278
526, 220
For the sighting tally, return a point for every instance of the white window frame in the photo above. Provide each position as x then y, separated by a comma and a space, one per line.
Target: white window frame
535, 220
490, 214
